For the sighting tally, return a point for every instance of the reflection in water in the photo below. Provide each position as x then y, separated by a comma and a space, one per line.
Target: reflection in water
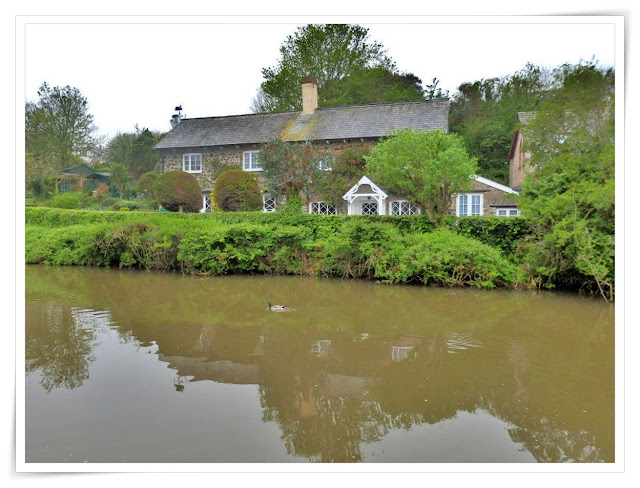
342, 374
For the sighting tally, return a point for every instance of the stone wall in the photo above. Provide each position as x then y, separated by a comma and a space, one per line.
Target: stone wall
216, 159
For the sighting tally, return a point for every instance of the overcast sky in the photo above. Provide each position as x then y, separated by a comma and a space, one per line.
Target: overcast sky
134, 72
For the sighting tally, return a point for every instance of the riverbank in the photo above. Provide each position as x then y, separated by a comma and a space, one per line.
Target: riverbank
393, 250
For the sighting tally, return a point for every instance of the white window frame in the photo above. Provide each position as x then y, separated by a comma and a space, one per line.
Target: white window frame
469, 203
370, 204
206, 202
250, 161
508, 212
322, 208
268, 203
188, 163
402, 207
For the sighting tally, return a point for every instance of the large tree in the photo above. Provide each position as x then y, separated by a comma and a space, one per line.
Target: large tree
569, 198
484, 113
134, 150
58, 127
427, 167
349, 69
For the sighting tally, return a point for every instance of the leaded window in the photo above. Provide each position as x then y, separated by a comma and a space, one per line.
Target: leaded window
268, 203
370, 208
402, 207
322, 208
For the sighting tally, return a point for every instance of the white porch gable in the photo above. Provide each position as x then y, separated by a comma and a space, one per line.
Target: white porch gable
365, 198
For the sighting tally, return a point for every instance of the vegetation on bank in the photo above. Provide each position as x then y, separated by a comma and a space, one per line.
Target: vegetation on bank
393, 250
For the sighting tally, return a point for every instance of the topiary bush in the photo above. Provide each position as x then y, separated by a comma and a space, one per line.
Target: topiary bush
237, 191
146, 182
178, 191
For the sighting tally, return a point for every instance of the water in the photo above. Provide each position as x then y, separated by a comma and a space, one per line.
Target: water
138, 367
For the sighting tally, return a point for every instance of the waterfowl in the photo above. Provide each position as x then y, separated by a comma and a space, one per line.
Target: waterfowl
277, 308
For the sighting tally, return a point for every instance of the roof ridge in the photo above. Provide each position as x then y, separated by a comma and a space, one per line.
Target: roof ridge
338, 107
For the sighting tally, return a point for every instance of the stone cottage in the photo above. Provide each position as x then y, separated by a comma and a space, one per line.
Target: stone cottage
207, 146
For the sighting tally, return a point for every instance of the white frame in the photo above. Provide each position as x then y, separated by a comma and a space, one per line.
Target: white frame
508, 212
469, 204
188, 166
272, 206
253, 163
413, 210
318, 206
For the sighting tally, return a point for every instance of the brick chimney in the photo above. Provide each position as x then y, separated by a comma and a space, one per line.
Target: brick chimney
309, 94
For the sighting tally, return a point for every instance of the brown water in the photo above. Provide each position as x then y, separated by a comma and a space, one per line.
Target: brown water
126, 366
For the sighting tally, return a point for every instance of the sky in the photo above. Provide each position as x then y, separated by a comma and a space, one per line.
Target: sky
135, 72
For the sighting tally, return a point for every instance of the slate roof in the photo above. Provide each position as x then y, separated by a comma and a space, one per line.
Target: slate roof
350, 122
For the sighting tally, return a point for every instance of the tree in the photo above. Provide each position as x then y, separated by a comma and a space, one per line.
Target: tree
292, 168
484, 113
237, 191
427, 167
119, 177
371, 85
330, 53
146, 182
569, 198
178, 190
347, 168
58, 127
134, 150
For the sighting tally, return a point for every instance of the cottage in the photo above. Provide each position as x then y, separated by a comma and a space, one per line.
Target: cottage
83, 177
206, 146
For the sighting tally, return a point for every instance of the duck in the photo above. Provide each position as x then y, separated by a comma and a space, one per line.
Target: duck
277, 308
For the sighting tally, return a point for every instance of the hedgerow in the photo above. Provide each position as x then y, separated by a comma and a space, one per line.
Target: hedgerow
315, 245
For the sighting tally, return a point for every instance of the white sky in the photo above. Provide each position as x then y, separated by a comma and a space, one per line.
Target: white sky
135, 71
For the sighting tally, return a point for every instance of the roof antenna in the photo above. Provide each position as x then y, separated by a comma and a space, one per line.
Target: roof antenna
176, 118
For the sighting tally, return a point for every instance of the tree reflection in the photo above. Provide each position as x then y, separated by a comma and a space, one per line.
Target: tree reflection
58, 345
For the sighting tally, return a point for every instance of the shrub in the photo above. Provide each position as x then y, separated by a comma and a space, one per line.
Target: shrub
146, 182
237, 190
177, 191
67, 200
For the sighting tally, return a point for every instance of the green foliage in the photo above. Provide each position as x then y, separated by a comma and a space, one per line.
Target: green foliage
177, 191
67, 200
237, 191
119, 177
484, 114
58, 126
146, 182
291, 167
134, 150
388, 250
347, 168
348, 67
448, 259
569, 198
427, 167
371, 85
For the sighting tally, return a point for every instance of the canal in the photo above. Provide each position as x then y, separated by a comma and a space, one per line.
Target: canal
141, 367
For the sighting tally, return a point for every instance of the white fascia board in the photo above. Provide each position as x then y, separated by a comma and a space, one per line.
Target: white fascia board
495, 185
364, 181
